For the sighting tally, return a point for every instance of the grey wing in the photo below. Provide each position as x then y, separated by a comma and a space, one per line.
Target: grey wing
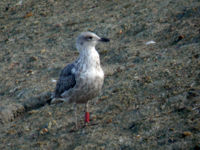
66, 81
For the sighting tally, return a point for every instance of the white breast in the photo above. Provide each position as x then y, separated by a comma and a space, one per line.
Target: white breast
90, 62
93, 73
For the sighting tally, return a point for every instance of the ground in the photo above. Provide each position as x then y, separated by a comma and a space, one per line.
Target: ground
150, 98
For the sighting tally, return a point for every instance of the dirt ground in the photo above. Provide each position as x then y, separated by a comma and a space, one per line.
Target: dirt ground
151, 94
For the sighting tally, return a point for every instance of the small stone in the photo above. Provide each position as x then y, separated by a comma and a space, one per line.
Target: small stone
49, 113
26, 128
109, 121
29, 14
43, 131
187, 133
138, 136
49, 125
33, 112
43, 51
54, 122
11, 131
32, 58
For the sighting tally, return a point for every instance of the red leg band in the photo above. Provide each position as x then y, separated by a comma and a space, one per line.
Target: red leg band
87, 117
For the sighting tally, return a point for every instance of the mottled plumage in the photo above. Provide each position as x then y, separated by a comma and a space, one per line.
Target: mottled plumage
66, 81
83, 79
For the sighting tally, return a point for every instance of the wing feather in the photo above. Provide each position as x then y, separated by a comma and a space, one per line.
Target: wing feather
66, 80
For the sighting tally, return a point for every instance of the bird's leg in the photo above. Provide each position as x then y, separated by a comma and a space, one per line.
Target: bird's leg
75, 109
87, 115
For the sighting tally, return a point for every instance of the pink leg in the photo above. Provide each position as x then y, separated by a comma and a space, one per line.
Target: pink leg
87, 114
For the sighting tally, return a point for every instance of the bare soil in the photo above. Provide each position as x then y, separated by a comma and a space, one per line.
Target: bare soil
151, 93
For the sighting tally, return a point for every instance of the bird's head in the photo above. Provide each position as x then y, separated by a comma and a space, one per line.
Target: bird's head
88, 39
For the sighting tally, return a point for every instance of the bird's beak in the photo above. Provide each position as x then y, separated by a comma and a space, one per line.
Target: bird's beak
104, 40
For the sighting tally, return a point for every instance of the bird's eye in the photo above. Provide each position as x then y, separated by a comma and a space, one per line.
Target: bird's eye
89, 38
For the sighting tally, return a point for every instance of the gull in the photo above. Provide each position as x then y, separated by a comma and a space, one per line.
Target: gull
82, 80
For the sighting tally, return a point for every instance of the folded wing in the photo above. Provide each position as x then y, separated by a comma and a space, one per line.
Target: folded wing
66, 81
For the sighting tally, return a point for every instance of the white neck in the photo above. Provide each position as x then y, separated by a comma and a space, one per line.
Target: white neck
90, 56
